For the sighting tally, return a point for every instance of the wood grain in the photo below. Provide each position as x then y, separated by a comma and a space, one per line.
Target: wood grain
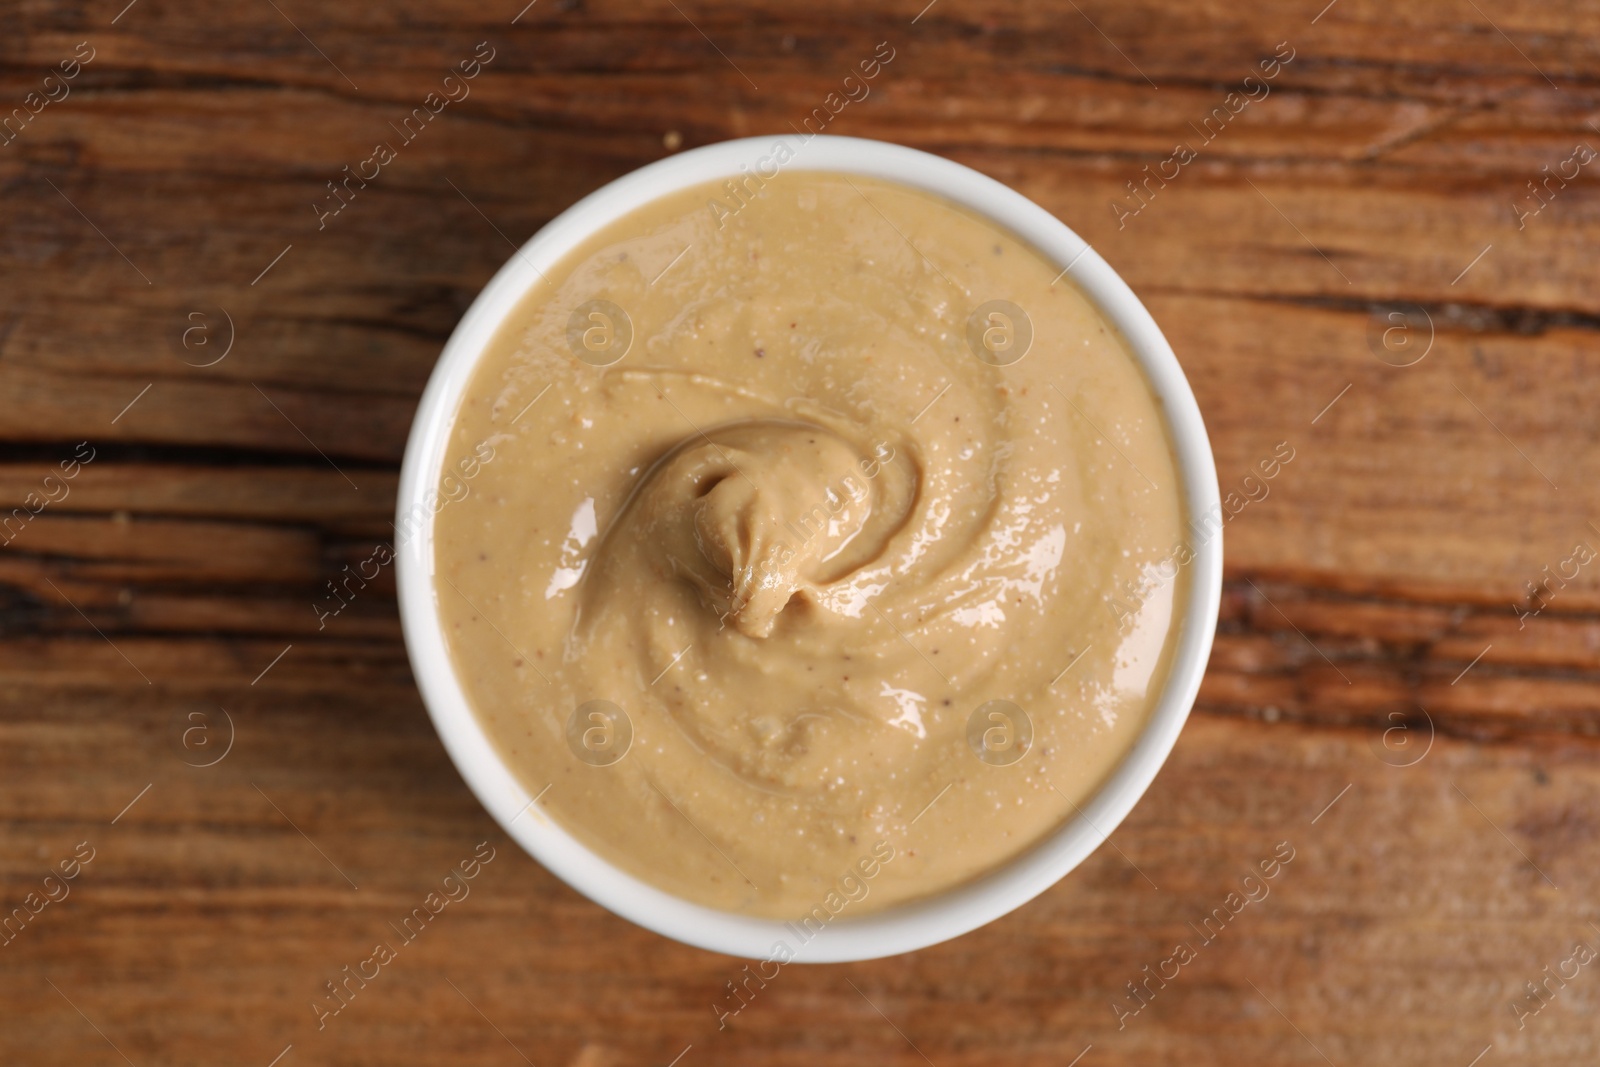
1375, 653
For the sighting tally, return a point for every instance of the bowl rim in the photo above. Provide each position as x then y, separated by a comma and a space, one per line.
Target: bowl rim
905, 927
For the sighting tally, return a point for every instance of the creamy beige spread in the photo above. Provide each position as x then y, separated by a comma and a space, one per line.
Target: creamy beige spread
797, 523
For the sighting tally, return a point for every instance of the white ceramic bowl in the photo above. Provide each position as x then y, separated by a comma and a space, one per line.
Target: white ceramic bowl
907, 927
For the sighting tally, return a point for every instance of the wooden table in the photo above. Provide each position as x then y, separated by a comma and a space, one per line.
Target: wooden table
1381, 697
